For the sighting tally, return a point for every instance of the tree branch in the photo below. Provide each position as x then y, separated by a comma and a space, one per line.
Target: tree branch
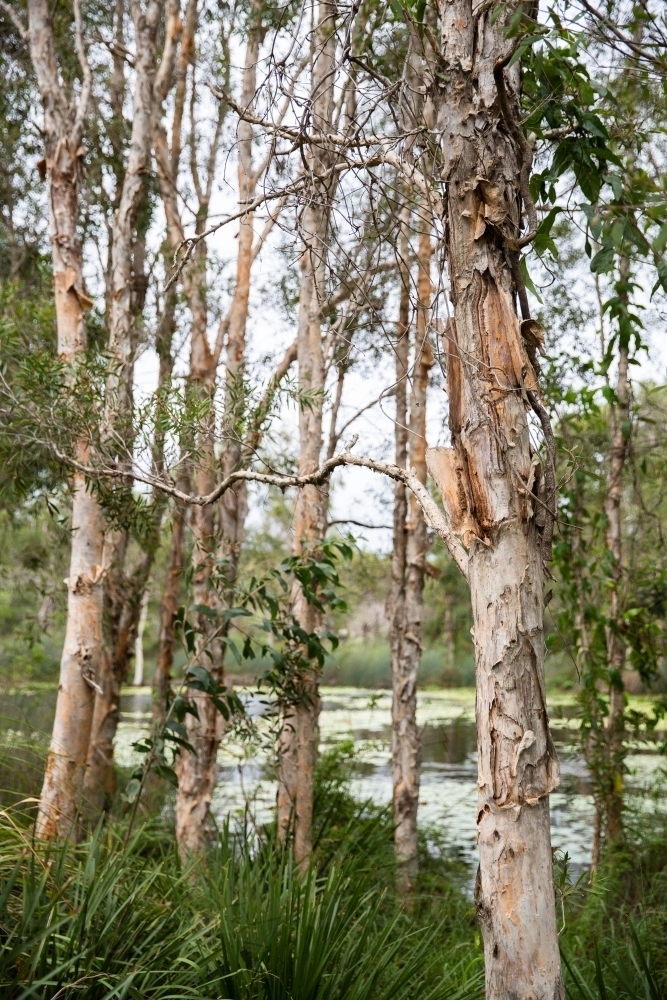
15, 19
254, 435
87, 83
434, 517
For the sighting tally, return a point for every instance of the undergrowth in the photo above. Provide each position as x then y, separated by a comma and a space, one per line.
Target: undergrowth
105, 919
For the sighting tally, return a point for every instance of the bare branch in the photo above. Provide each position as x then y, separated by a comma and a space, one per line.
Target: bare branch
639, 50
254, 435
165, 72
15, 19
361, 524
316, 138
87, 83
434, 517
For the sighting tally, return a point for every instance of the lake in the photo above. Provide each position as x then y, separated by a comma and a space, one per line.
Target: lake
449, 768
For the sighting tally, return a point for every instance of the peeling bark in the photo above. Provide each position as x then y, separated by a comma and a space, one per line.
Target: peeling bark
409, 563
168, 610
220, 540
63, 130
486, 482
196, 771
234, 503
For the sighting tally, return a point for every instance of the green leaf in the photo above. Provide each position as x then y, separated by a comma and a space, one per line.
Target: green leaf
603, 261
527, 280
230, 613
203, 609
660, 242
168, 773
234, 651
661, 268
132, 790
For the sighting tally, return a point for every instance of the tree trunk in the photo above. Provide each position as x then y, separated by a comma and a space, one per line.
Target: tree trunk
485, 480
196, 772
300, 733
138, 678
168, 609
399, 557
406, 637
124, 595
449, 633
620, 425
63, 128
591, 745
234, 503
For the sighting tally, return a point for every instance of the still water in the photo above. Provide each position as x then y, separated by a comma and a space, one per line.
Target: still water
448, 788
449, 764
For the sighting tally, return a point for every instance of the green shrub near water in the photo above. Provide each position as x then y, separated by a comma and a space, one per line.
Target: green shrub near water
614, 942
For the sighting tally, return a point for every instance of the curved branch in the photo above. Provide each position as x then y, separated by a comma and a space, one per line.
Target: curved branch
15, 19
434, 517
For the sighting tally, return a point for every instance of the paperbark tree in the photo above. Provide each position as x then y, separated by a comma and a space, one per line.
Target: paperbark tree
489, 480
217, 533
127, 295
168, 610
613, 508
167, 159
224, 538
299, 734
408, 568
64, 123
196, 771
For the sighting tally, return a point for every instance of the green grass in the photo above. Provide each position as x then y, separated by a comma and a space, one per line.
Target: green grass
614, 941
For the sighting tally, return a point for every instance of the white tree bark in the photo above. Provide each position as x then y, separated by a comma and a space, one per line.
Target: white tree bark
410, 550
124, 598
60, 799
618, 453
138, 678
197, 771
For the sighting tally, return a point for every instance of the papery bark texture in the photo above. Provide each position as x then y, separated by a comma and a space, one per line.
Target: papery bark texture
124, 593
60, 798
489, 480
218, 532
618, 454
411, 551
